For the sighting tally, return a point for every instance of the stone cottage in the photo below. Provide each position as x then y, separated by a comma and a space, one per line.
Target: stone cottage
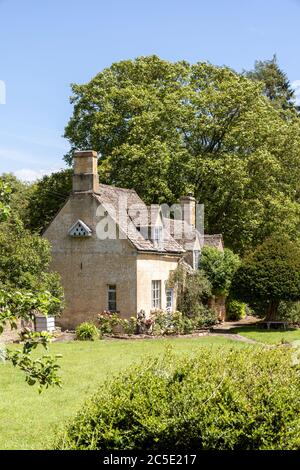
115, 253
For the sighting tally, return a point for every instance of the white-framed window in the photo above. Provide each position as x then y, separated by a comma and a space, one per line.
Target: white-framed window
196, 255
169, 299
156, 294
158, 235
112, 297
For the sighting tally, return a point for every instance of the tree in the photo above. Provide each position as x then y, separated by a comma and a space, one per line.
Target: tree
166, 129
23, 264
277, 87
47, 197
20, 193
4, 200
219, 267
269, 275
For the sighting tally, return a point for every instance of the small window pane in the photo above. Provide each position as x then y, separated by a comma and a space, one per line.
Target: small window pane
158, 236
112, 298
169, 299
196, 259
156, 294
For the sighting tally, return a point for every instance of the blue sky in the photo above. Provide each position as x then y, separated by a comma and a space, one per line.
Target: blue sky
46, 45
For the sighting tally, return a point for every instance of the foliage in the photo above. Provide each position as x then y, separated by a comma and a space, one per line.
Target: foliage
107, 321
16, 306
21, 305
213, 400
219, 267
91, 361
170, 323
277, 86
19, 194
289, 311
269, 275
166, 129
193, 291
204, 317
5, 192
129, 326
47, 197
140, 324
87, 332
24, 290
24, 261
44, 370
235, 310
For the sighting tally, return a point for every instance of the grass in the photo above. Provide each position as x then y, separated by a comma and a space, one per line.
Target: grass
268, 336
31, 421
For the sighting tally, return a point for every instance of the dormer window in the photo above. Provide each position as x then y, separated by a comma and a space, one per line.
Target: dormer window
158, 236
80, 229
196, 258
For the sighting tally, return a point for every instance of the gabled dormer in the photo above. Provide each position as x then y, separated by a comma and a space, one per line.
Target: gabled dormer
157, 227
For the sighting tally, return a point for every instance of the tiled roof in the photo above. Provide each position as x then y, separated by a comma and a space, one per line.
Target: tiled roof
178, 234
215, 241
111, 197
186, 235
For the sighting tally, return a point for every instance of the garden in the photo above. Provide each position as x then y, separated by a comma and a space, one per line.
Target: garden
29, 420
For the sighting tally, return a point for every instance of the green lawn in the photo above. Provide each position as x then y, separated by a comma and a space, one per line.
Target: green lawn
269, 336
30, 421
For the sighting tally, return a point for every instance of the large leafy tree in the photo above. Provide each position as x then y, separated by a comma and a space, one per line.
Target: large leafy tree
19, 195
26, 286
168, 128
47, 196
277, 86
269, 275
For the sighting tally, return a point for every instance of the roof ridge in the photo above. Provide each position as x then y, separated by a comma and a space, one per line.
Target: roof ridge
118, 188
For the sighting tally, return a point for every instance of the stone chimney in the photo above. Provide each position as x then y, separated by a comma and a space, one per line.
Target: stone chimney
188, 209
85, 177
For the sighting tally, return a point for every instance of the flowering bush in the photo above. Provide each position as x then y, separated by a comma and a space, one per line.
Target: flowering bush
170, 323
160, 322
129, 326
107, 322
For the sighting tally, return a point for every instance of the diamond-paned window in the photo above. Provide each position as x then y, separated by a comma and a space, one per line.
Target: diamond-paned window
80, 229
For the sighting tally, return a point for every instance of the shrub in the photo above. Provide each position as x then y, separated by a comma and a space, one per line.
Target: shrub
87, 332
194, 293
107, 322
129, 326
170, 323
204, 317
214, 400
269, 275
289, 311
235, 310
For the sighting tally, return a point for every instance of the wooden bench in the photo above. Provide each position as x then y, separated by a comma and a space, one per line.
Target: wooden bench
273, 324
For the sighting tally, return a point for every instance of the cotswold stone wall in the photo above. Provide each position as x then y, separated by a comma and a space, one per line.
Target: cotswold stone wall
150, 268
89, 265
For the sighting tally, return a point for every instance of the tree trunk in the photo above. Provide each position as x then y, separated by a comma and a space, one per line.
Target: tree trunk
272, 310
